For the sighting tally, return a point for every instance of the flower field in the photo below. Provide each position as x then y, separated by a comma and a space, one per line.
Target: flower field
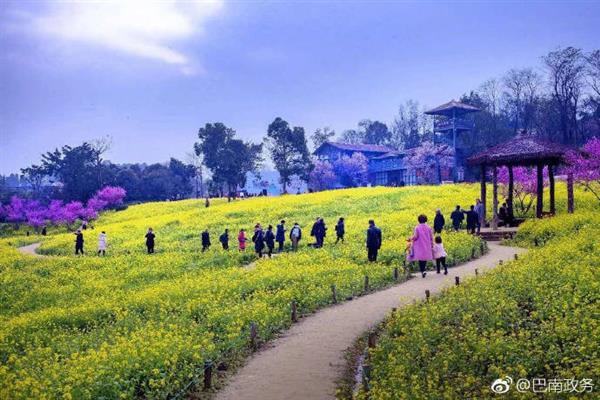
536, 317
130, 325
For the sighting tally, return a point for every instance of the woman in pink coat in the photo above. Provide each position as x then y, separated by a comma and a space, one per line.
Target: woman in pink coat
422, 244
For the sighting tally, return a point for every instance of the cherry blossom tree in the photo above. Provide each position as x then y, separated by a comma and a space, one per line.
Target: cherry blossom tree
585, 166
428, 159
524, 187
322, 177
352, 171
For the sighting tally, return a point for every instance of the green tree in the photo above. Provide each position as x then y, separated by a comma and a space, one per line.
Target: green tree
289, 151
229, 159
321, 136
375, 132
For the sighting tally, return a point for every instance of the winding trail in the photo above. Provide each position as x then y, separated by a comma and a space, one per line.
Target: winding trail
305, 362
30, 249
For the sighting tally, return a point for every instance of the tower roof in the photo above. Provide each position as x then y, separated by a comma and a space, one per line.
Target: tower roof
451, 107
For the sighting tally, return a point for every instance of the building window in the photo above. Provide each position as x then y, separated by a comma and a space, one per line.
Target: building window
381, 179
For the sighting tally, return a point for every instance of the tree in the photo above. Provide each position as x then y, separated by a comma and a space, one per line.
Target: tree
375, 132
352, 171
566, 70
75, 167
322, 177
321, 136
353, 136
288, 151
585, 166
428, 159
228, 159
408, 126
521, 95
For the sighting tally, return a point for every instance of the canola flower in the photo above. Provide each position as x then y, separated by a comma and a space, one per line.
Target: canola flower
130, 325
536, 317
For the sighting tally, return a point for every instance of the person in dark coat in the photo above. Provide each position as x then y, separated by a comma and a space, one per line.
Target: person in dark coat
340, 231
150, 241
205, 240
44, 231
78, 242
207, 203
503, 215
270, 240
224, 239
319, 231
280, 235
472, 219
373, 241
457, 218
295, 236
439, 221
259, 240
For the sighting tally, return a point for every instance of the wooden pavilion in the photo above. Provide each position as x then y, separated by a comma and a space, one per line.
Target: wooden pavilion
527, 151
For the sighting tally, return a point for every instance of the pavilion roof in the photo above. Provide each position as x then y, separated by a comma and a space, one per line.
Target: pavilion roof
521, 150
452, 106
373, 148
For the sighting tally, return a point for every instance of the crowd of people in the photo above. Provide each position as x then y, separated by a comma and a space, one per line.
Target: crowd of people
423, 246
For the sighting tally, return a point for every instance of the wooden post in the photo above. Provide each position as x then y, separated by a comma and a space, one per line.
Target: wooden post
427, 294
366, 286
207, 374
334, 293
511, 190
540, 190
483, 194
500, 262
396, 273
366, 376
516, 256
472, 252
294, 311
457, 280
570, 197
551, 181
372, 341
253, 335
476, 272
495, 198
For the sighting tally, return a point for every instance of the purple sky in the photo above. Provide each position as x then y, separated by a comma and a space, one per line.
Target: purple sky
150, 75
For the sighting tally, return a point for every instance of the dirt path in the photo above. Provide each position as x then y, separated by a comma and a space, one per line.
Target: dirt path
307, 360
30, 249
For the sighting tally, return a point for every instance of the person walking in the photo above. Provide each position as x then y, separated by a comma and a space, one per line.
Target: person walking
480, 210
422, 244
205, 240
439, 254
78, 242
44, 231
340, 230
438, 222
259, 240
270, 240
150, 241
457, 218
374, 239
319, 231
206, 202
295, 236
224, 239
242, 240
280, 235
102, 242
472, 219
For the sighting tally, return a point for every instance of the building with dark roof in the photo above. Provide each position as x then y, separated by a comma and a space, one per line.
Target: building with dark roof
332, 151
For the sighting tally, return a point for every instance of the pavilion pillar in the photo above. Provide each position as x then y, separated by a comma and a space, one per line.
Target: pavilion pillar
495, 198
551, 181
511, 190
570, 197
540, 191
483, 194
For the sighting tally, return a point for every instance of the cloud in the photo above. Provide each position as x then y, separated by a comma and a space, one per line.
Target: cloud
147, 29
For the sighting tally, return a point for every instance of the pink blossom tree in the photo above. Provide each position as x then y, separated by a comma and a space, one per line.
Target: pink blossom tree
110, 196
428, 159
585, 166
15, 211
352, 171
322, 177
524, 187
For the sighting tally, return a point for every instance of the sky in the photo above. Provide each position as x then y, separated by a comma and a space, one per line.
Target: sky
150, 74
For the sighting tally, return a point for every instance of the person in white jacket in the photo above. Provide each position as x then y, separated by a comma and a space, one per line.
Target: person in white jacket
102, 243
439, 253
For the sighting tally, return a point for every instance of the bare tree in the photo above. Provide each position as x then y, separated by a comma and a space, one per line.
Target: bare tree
195, 160
408, 126
491, 92
566, 69
522, 94
321, 136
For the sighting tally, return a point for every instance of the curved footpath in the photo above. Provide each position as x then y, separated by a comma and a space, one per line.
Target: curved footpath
30, 249
306, 361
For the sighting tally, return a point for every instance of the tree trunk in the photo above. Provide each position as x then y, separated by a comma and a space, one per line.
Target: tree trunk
540, 191
483, 191
570, 197
495, 198
551, 180
511, 190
